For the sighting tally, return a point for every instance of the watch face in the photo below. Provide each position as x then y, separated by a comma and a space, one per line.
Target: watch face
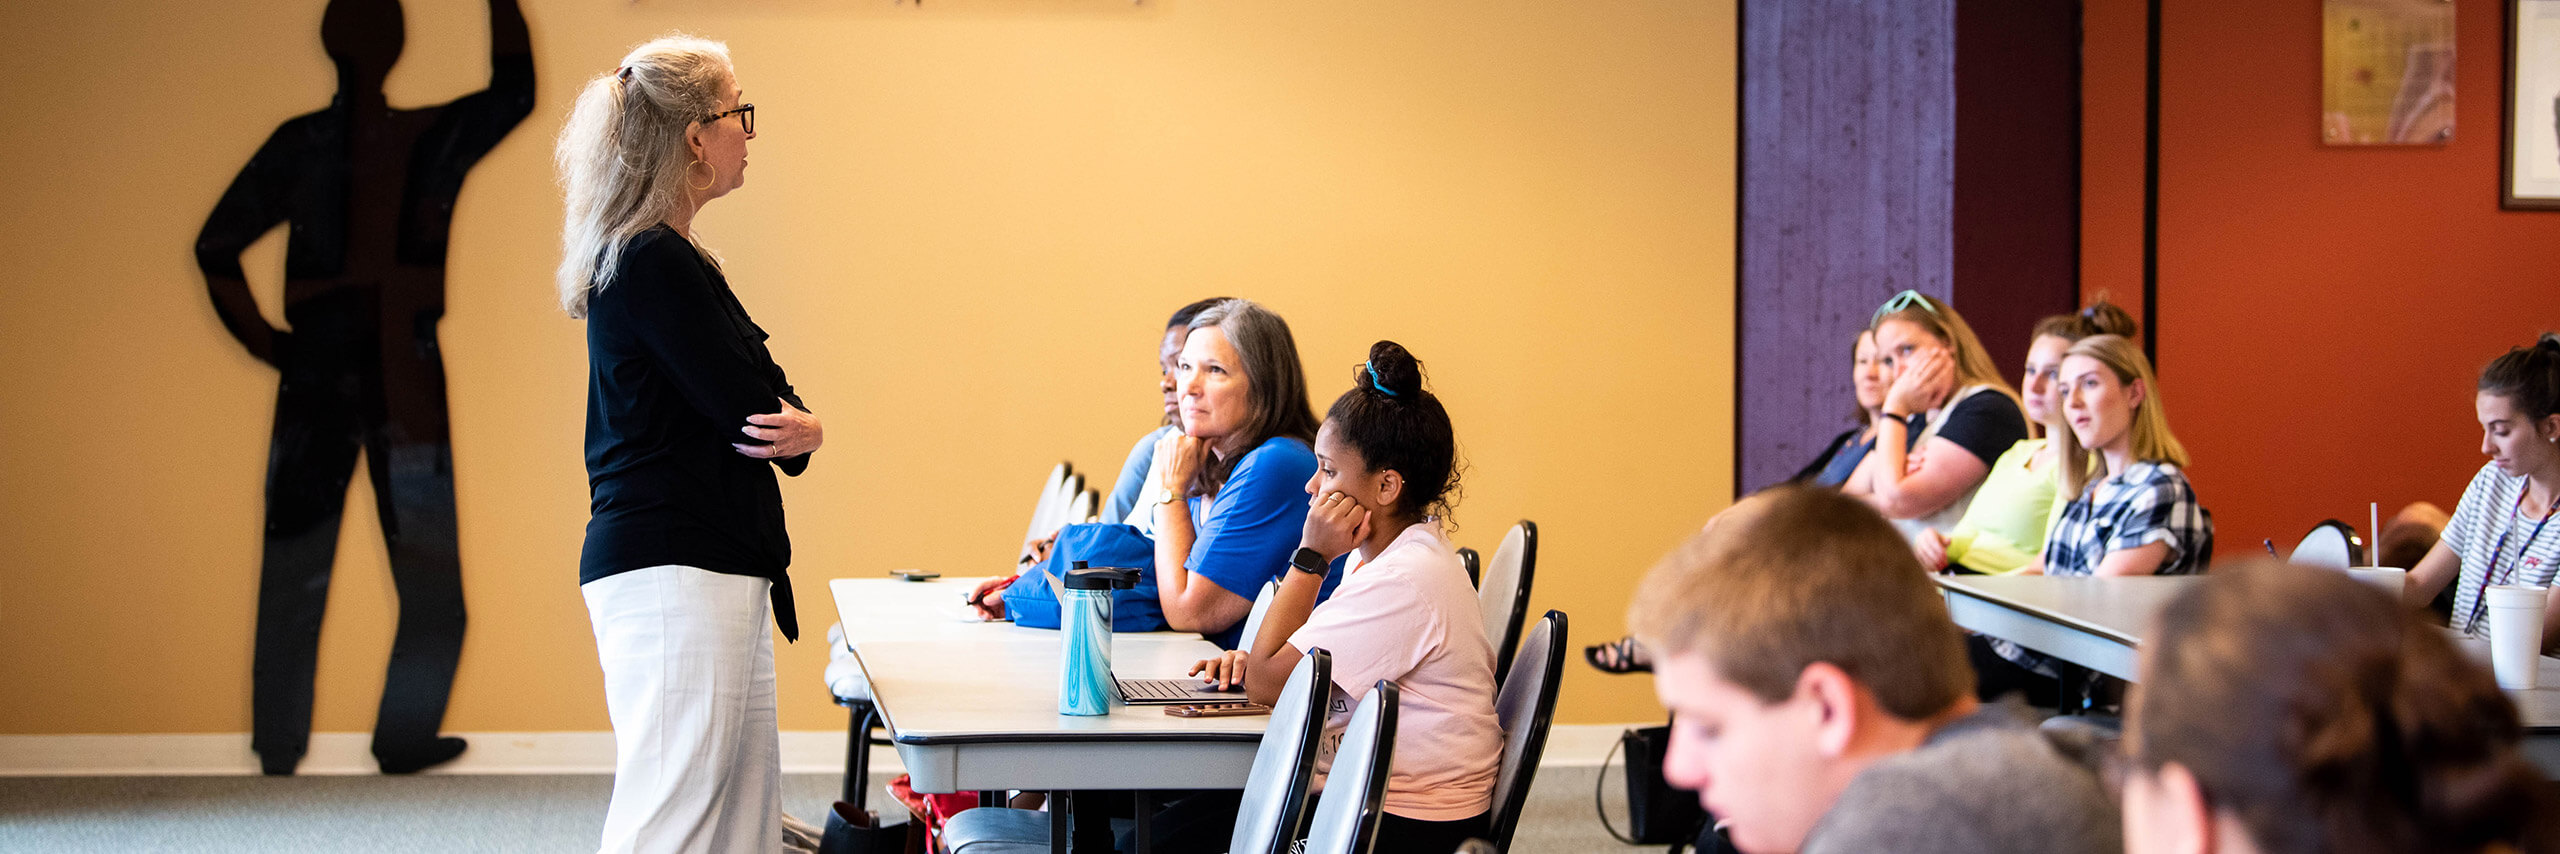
1308, 561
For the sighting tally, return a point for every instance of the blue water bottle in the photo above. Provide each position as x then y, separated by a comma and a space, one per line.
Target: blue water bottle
1084, 622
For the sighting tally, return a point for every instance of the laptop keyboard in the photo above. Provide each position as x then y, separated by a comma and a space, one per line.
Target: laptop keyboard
1156, 689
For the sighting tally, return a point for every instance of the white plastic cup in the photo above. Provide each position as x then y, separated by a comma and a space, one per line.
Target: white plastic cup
2386, 579
2515, 634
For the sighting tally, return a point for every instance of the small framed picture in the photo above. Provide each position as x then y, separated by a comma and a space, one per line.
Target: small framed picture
2532, 173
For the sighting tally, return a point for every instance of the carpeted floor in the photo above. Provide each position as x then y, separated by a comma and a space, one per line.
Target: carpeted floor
288, 815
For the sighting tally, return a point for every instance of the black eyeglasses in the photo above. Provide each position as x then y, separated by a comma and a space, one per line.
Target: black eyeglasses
746, 114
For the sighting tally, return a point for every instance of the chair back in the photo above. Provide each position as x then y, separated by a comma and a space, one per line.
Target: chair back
1504, 592
1346, 817
2331, 544
1081, 509
1275, 791
1475, 567
1526, 706
1253, 619
1046, 507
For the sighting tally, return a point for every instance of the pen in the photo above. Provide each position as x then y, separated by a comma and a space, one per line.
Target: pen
2271, 549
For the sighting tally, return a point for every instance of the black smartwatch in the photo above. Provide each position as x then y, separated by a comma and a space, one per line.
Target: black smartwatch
1310, 561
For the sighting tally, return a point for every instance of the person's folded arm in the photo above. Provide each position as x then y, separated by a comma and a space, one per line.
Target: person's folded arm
1947, 471
674, 311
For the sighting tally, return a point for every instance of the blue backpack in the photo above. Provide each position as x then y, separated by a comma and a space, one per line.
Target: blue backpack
1031, 602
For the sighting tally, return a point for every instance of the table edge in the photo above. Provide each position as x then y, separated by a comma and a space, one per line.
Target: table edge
932, 740
1948, 585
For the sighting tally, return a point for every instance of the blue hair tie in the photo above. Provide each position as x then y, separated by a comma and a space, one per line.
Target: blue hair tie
1373, 380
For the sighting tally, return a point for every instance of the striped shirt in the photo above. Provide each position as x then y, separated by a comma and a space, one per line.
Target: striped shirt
2488, 514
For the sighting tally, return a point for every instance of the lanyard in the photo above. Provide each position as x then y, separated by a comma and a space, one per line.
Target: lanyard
2488, 575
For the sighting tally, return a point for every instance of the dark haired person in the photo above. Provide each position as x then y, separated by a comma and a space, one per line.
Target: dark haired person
1386, 467
2501, 532
1841, 456
2296, 711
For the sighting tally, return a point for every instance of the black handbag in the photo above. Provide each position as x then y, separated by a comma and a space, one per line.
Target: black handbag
1657, 812
851, 830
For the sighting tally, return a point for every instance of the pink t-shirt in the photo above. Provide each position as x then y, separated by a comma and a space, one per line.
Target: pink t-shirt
1409, 615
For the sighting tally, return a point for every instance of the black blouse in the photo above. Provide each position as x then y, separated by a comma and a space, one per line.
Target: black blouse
674, 367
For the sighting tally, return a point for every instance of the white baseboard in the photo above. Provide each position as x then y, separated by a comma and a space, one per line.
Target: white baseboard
195, 754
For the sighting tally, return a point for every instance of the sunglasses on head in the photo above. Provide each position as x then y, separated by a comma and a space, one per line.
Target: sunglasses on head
1906, 299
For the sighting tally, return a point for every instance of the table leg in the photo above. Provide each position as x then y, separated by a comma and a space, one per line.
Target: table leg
1060, 803
1145, 810
857, 754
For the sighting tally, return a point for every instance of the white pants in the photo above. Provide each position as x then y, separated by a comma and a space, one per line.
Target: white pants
688, 680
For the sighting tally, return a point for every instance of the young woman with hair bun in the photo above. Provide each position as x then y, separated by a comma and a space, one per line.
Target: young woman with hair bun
1386, 474
2290, 710
2003, 528
2498, 533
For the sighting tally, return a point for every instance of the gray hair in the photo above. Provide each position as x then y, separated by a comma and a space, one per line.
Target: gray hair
1275, 382
623, 154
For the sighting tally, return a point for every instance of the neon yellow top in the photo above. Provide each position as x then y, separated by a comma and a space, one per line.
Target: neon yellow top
2003, 530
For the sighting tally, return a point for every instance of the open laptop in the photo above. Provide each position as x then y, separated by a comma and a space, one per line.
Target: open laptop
1168, 692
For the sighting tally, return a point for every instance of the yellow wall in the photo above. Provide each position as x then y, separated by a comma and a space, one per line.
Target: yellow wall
963, 225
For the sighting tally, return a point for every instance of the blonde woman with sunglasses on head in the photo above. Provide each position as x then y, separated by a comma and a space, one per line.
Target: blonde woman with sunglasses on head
1946, 403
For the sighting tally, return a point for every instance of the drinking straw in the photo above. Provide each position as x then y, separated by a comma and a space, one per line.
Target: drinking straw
2373, 549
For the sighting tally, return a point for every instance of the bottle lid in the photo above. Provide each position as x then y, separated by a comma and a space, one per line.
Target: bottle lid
1101, 578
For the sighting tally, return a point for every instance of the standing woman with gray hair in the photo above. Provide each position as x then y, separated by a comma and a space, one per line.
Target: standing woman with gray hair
687, 417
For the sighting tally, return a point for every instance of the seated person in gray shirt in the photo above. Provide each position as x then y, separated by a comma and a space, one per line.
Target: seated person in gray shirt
1821, 700
2297, 710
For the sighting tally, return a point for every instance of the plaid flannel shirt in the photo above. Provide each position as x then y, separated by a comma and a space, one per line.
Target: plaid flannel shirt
2149, 502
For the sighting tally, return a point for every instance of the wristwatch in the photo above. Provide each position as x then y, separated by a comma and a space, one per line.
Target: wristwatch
1310, 561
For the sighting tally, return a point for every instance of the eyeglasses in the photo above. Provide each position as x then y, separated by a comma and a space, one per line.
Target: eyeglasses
746, 114
1900, 301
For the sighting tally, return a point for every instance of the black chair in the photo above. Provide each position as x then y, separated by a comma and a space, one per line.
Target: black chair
1526, 706
2331, 544
1504, 592
1475, 565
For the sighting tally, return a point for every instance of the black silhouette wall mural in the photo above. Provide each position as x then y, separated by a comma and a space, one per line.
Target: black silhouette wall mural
367, 193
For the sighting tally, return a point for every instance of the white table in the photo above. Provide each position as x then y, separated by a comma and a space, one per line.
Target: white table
2098, 623
973, 706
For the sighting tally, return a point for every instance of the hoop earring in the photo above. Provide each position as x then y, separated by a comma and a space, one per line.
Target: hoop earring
715, 175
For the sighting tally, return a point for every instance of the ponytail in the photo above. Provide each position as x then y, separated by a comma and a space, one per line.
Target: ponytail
2528, 377
622, 155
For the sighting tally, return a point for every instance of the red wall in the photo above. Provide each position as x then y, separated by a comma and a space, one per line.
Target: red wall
2324, 312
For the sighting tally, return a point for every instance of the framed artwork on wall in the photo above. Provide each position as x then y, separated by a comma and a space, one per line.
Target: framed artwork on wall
2386, 69
2532, 173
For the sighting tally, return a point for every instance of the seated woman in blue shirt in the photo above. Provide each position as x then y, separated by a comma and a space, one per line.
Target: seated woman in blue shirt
1229, 503
1235, 475
1141, 463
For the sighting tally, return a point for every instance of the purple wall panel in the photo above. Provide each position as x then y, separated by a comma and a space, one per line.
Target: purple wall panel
1848, 176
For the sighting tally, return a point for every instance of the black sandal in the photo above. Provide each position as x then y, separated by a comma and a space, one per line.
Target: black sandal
1623, 655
